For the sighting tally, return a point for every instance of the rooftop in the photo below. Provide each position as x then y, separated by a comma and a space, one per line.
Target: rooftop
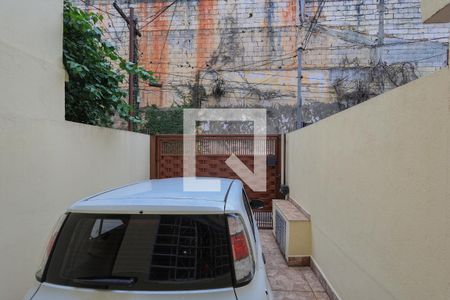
157, 196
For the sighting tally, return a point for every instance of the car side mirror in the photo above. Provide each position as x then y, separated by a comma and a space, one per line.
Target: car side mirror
257, 204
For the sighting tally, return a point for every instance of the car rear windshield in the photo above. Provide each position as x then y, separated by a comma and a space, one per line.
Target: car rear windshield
151, 252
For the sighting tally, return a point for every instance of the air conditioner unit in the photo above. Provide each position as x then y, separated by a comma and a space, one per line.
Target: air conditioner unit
292, 230
280, 231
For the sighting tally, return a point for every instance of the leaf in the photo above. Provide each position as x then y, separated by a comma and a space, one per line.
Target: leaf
95, 92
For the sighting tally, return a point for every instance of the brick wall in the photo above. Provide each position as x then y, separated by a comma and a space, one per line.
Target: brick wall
243, 53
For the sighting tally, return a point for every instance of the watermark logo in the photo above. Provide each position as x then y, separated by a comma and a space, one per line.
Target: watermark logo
255, 179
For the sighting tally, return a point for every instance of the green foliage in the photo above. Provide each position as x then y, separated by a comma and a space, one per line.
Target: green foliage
170, 120
164, 121
94, 93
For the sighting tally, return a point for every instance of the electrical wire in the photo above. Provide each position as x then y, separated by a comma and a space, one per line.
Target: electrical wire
167, 34
261, 63
159, 13
344, 47
231, 81
313, 24
284, 85
99, 9
109, 15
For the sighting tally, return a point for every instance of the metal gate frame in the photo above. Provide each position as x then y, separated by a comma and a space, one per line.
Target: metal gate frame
166, 160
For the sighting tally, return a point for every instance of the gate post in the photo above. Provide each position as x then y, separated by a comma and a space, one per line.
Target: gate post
153, 160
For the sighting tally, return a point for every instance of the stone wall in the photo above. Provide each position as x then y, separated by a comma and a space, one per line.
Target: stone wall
243, 53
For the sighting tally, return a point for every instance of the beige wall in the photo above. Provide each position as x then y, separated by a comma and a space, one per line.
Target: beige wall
436, 11
46, 163
299, 239
375, 180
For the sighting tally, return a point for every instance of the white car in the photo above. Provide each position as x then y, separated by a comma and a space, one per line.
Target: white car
152, 240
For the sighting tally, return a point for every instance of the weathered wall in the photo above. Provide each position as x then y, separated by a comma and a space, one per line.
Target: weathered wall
46, 163
243, 53
351, 40
222, 53
376, 181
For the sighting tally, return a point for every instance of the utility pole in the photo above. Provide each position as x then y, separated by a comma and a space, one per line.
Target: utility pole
131, 21
132, 83
381, 10
298, 106
301, 4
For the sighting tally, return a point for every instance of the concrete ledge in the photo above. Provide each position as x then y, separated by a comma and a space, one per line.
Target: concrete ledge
290, 211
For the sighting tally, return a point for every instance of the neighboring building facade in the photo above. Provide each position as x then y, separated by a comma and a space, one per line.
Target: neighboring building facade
235, 53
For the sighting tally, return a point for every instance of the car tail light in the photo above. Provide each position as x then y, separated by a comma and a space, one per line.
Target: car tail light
244, 266
49, 247
240, 247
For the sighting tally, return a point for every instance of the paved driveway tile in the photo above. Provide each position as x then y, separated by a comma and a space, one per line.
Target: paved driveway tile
289, 283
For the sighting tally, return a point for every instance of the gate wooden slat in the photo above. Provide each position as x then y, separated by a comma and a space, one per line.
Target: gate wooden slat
212, 152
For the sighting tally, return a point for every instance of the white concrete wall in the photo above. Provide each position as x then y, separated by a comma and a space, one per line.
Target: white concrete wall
46, 163
376, 181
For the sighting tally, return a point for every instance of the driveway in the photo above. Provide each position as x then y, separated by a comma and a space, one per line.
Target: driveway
289, 283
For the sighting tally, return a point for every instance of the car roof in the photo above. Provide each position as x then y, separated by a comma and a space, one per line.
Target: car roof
160, 196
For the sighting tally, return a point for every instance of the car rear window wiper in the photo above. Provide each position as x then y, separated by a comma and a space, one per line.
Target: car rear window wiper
106, 281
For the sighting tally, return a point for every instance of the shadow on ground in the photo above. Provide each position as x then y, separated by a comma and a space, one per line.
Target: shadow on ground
289, 283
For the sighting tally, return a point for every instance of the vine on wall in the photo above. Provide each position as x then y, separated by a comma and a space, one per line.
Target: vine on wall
373, 81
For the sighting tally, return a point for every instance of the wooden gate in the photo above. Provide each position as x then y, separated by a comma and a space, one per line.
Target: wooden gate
211, 153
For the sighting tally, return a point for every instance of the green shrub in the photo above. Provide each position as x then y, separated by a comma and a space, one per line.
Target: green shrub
163, 120
94, 92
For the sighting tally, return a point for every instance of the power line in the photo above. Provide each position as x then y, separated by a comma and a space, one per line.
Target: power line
109, 15
422, 59
242, 30
276, 75
232, 81
249, 71
151, 16
167, 35
313, 23
288, 85
360, 46
371, 12
260, 63
115, 29
365, 45
159, 13
105, 27
269, 61
309, 77
99, 9
299, 103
